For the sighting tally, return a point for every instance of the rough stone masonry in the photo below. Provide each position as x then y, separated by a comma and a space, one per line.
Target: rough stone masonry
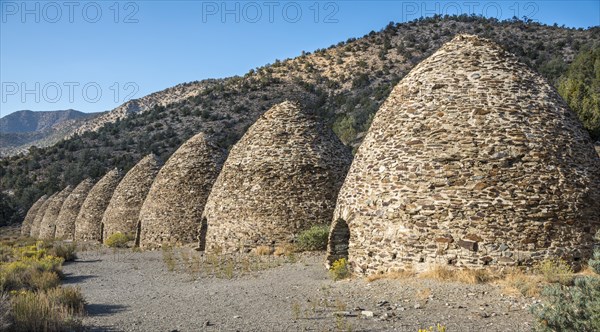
65, 222
37, 221
473, 160
48, 224
31, 214
88, 225
172, 211
122, 213
281, 178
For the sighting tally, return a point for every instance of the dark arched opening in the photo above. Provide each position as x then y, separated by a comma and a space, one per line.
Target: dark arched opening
138, 233
339, 241
202, 235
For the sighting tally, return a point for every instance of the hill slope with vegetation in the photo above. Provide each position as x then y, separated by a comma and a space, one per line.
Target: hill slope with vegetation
344, 84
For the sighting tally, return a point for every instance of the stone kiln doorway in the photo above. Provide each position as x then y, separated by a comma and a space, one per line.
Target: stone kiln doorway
138, 233
202, 235
339, 241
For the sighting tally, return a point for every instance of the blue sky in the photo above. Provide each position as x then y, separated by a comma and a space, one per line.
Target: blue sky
94, 55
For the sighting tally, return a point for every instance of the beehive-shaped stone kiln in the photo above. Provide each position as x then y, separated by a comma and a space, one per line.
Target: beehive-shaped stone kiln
122, 213
48, 224
88, 225
65, 222
172, 210
473, 160
31, 214
282, 177
37, 221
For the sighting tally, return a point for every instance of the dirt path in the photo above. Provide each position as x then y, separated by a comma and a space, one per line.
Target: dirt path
129, 291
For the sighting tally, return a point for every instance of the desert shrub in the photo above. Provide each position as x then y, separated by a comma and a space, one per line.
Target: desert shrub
30, 296
5, 253
340, 269
594, 262
42, 280
30, 273
575, 308
69, 297
65, 251
44, 244
40, 311
313, 239
117, 240
555, 271
345, 128
5, 312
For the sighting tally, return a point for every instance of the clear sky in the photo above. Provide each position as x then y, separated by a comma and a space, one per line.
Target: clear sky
94, 55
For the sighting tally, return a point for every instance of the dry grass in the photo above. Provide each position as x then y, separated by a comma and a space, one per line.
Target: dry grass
55, 310
465, 276
263, 250
439, 272
515, 281
587, 271
395, 275
475, 276
285, 250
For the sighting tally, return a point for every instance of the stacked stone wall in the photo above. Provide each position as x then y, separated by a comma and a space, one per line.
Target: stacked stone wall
473, 160
65, 222
48, 224
88, 225
281, 178
172, 211
31, 214
122, 213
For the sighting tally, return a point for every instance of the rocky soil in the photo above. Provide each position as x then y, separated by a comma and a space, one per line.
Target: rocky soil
183, 291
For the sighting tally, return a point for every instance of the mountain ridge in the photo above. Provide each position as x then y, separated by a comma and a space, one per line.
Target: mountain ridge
25, 128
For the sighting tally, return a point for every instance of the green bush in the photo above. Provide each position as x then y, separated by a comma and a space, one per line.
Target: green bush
117, 240
579, 87
575, 308
555, 271
594, 262
65, 251
313, 239
345, 128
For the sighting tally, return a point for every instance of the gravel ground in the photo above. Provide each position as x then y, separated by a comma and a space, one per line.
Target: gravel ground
136, 291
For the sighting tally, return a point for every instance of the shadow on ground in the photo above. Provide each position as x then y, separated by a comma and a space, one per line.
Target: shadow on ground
70, 279
99, 309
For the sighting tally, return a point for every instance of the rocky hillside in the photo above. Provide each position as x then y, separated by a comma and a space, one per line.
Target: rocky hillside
22, 129
344, 84
28, 121
162, 98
